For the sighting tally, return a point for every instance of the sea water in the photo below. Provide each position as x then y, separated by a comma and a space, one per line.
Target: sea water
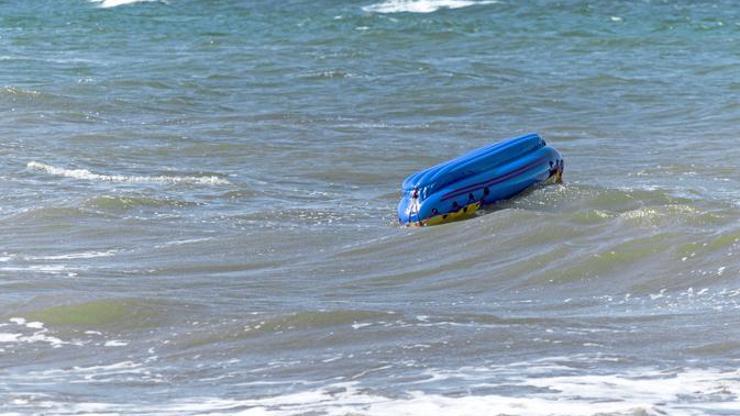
197, 208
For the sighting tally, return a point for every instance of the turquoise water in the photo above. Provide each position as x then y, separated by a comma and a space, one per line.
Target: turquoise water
197, 205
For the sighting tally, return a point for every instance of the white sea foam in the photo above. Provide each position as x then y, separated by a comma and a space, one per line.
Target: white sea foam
115, 3
56, 269
84, 174
183, 242
691, 392
7, 337
73, 256
40, 334
687, 392
18, 321
422, 6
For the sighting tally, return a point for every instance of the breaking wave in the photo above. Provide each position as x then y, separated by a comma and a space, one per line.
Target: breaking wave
84, 174
106, 4
421, 6
649, 392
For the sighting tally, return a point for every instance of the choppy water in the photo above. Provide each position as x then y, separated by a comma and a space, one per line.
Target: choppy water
197, 208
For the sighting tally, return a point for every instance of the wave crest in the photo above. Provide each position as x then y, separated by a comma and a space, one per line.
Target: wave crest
84, 174
106, 4
421, 6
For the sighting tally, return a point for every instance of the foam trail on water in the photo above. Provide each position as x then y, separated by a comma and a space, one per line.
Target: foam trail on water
115, 3
85, 174
421, 6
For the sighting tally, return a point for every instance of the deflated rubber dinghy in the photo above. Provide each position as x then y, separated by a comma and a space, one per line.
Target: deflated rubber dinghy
455, 189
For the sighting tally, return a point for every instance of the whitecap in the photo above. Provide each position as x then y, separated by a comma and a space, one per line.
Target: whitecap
77, 255
42, 268
73, 256
40, 335
18, 321
106, 4
84, 174
641, 391
7, 337
183, 242
422, 6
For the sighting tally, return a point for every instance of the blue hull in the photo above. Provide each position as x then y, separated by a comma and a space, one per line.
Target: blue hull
457, 188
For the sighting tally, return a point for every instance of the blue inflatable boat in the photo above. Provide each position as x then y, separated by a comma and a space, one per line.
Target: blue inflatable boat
456, 189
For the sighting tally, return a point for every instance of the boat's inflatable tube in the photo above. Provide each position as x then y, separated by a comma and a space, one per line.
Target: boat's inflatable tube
456, 189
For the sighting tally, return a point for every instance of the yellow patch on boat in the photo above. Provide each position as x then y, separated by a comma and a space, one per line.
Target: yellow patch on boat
555, 178
463, 213
558, 176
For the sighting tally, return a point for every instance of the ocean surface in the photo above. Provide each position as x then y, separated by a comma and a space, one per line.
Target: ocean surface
197, 208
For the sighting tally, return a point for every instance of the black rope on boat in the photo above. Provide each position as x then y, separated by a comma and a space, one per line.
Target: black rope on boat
415, 205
